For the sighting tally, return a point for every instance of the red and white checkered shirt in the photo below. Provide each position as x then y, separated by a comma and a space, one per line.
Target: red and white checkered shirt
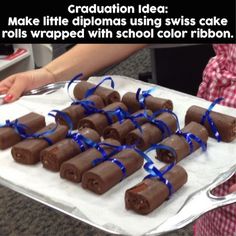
219, 80
219, 76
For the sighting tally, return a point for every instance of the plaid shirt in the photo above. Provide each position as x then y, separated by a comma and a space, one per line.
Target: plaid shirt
219, 80
219, 76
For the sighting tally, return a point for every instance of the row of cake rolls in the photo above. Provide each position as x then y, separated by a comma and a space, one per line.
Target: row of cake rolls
119, 130
103, 162
76, 112
28, 151
74, 168
53, 156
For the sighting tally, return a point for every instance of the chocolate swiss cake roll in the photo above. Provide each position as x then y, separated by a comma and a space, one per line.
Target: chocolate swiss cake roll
74, 168
108, 95
9, 136
106, 175
151, 134
99, 121
151, 192
77, 112
119, 130
28, 151
180, 144
53, 156
152, 103
226, 125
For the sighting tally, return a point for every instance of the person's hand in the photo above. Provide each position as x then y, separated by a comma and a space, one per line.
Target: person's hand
15, 85
232, 188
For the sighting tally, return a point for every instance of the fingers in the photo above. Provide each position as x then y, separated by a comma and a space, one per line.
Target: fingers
232, 188
15, 91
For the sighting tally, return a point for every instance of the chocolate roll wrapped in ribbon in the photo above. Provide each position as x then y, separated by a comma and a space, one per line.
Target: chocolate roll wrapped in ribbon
53, 156
184, 142
151, 192
152, 133
28, 151
78, 111
99, 121
109, 173
10, 133
74, 168
108, 95
152, 103
119, 130
225, 124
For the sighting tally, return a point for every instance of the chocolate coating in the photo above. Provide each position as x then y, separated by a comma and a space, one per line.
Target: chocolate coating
53, 156
28, 151
151, 193
108, 95
9, 136
77, 112
152, 103
180, 145
226, 125
74, 168
106, 175
99, 121
119, 131
151, 133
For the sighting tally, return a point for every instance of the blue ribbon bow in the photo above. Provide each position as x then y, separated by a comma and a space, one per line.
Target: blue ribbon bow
141, 96
207, 117
190, 137
92, 90
18, 127
150, 167
122, 115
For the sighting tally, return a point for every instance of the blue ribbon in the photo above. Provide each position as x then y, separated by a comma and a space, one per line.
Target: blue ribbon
141, 96
190, 138
92, 90
42, 135
86, 104
82, 141
161, 124
207, 117
21, 130
123, 115
18, 127
74, 79
89, 106
120, 165
150, 167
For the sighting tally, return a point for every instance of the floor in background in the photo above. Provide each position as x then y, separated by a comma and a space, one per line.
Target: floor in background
22, 216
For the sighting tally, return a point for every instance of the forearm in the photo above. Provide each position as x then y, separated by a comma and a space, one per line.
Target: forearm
89, 58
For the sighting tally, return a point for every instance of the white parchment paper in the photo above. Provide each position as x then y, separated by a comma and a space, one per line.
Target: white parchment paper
108, 211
